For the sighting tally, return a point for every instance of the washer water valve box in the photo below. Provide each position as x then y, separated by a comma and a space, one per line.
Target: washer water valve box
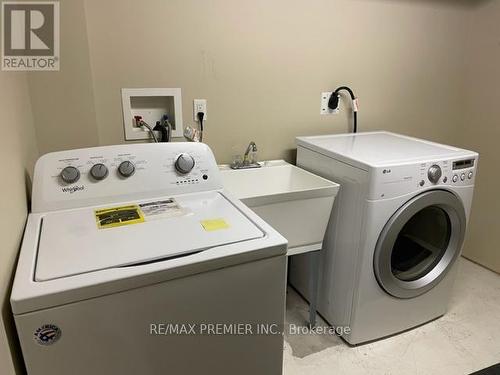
151, 104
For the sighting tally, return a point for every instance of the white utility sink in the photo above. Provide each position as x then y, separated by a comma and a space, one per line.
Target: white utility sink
295, 202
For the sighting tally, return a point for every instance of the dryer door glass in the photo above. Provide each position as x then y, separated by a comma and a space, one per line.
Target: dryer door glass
420, 243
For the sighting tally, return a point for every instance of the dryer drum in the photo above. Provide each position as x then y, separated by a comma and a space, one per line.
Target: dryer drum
420, 243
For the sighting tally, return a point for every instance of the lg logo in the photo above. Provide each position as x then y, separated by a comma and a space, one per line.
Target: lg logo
30, 35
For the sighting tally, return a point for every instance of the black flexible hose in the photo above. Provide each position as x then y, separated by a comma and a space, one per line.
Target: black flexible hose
333, 103
355, 126
346, 89
163, 131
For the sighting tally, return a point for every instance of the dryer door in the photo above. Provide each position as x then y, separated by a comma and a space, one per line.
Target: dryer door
420, 243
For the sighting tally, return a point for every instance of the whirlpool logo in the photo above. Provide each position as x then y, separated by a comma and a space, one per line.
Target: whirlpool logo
72, 189
47, 334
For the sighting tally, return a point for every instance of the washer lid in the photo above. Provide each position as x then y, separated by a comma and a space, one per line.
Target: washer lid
378, 148
78, 241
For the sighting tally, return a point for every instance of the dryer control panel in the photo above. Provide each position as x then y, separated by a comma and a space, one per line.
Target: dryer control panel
397, 180
100, 175
463, 171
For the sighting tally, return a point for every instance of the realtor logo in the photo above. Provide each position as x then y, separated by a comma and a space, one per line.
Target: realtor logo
30, 35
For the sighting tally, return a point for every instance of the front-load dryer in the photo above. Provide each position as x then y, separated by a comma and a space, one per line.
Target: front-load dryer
396, 230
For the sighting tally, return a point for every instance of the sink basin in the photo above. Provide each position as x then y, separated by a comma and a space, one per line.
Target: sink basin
295, 202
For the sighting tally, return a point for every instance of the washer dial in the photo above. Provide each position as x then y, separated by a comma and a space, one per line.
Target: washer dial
99, 171
184, 163
126, 168
70, 174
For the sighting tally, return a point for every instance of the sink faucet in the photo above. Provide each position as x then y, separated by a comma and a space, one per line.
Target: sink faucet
247, 163
251, 147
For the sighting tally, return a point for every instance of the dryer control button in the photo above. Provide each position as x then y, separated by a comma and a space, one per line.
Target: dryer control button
455, 178
70, 175
434, 173
469, 176
462, 176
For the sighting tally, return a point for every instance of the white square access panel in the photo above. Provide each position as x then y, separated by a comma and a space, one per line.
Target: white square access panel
151, 104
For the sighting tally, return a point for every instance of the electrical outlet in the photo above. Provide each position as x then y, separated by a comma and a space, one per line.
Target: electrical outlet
324, 110
199, 105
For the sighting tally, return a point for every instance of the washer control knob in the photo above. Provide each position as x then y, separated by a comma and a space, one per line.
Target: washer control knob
469, 176
70, 174
422, 183
126, 168
184, 163
455, 178
462, 176
434, 173
99, 171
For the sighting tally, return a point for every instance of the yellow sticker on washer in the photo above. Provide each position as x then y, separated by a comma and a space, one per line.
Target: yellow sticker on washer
118, 216
214, 224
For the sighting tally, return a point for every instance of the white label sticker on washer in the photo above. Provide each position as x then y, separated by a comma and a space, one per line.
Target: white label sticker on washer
161, 209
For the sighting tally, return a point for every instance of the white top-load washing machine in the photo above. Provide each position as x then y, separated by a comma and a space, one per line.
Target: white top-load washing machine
396, 230
135, 260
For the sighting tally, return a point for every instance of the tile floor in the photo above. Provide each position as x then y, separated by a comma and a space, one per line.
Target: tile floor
465, 340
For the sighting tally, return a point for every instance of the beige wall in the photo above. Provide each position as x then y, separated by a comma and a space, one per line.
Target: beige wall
262, 65
481, 130
63, 102
18, 152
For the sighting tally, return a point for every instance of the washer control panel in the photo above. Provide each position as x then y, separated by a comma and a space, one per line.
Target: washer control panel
402, 179
76, 178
